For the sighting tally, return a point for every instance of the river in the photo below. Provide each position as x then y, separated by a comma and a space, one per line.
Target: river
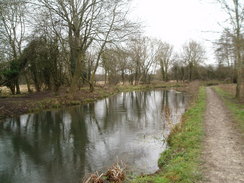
61, 146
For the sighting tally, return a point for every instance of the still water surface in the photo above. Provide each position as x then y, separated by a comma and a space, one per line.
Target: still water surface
61, 146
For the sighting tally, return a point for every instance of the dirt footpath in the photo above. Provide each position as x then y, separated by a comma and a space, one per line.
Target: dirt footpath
223, 153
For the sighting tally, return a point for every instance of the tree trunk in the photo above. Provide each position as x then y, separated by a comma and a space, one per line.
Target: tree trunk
163, 74
12, 89
27, 83
238, 50
105, 78
91, 87
190, 72
123, 77
17, 86
239, 74
166, 74
76, 76
36, 82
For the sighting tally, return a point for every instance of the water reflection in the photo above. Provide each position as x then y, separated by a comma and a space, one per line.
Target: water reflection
62, 146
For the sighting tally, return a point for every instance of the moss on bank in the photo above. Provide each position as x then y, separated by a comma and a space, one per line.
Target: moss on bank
181, 161
233, 105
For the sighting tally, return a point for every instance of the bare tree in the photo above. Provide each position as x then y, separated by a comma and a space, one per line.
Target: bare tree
235, 11
165, 58
12, 30
143, 52
225, 50
115, 62
89, 23
225, 55
193, 54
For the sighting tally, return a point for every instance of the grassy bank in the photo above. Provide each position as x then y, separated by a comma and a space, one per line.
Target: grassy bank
233, 105
14, 105
180, 162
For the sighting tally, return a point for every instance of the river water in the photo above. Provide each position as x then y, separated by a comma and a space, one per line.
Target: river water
61, 146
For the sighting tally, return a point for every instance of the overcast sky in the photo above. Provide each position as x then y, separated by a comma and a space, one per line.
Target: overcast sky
178, 21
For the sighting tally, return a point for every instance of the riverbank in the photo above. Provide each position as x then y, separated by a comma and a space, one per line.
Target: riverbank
14, 105
181, 161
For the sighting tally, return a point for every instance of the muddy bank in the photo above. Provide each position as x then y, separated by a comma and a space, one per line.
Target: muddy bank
16, 105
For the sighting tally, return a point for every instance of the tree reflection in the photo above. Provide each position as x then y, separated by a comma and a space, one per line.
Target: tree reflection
62, 146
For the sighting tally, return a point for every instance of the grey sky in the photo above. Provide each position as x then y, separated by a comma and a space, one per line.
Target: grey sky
178, 21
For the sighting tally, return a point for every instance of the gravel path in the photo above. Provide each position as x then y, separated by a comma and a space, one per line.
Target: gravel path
223, 153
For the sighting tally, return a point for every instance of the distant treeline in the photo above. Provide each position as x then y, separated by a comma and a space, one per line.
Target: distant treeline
54, 43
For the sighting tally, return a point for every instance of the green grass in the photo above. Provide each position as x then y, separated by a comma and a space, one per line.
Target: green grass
233, 105
181, 161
